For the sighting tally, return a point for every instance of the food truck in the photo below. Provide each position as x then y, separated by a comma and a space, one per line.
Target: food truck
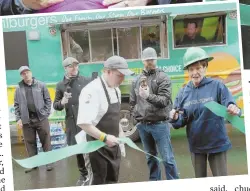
43, 41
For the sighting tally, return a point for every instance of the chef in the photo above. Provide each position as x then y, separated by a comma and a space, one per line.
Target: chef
99, 116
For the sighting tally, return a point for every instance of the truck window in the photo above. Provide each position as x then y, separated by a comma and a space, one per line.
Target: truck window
15, 48
129, 42
151, 38
126, 38
101, 44
202, 31
78, 46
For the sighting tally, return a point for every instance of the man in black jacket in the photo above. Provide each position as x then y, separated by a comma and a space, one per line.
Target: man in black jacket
67, 95
16, 7
150, 101
32, 105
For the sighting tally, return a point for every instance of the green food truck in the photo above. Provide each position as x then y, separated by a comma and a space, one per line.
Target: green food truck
43, 41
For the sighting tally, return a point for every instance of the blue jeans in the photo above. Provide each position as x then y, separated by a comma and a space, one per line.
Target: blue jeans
153, 137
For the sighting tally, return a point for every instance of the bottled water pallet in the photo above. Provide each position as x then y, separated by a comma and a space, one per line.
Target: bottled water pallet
58, 137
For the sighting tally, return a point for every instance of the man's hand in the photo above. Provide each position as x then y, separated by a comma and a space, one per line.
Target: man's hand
40, 4
66, 98
144, 92
19, 123
233, 109
173, 114
112, 141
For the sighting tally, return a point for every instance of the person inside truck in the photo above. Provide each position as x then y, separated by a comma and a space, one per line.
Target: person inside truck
99, 117
67, 97
206, 132
150, 100
76, 51
192, 36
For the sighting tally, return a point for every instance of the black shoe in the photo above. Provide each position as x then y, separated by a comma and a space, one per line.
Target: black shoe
30, 169
49, 167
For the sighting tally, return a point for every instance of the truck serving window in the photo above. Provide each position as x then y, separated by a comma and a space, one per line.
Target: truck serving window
15, 48
95, 43
201, 31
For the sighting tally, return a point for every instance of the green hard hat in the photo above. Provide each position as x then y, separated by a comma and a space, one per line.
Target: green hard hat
195, 54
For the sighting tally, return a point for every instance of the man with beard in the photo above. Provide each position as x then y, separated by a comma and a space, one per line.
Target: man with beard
192, 36
67, 97
99, 116
150, 101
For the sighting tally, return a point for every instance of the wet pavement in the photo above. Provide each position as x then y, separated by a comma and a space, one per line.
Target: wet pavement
133, 167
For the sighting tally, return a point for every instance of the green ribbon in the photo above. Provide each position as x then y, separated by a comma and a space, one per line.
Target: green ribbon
44, 158
221, 111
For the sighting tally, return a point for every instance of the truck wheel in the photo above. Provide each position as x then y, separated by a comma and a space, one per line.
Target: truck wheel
131, 131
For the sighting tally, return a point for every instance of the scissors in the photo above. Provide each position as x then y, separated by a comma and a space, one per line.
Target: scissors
179, 110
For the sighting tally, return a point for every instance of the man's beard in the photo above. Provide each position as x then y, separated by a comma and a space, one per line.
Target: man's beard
150, 67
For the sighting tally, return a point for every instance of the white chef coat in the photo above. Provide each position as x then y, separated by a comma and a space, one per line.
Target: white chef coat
93, 103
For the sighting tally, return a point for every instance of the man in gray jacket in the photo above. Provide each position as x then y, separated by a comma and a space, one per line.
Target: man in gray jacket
32, 105
150, 101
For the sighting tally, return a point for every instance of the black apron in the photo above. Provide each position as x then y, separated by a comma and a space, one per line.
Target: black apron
105, 162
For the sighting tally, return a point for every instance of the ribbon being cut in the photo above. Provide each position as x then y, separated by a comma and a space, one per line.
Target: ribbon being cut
59, 154
221, 111
91, 146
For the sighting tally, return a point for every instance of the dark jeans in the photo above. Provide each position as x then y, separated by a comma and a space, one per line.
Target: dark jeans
29, 133
158, 136
217, 163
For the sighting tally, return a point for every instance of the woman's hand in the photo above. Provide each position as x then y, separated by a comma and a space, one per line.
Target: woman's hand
233, 109
173, 114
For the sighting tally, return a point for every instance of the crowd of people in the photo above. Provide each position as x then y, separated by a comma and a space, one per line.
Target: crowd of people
93, 107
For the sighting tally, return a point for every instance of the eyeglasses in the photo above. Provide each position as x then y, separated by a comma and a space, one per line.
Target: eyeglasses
73, 66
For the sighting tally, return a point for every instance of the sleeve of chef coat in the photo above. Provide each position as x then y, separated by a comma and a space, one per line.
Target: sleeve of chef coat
89, 104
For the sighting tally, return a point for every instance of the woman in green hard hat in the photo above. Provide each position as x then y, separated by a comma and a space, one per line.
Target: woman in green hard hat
206, 132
